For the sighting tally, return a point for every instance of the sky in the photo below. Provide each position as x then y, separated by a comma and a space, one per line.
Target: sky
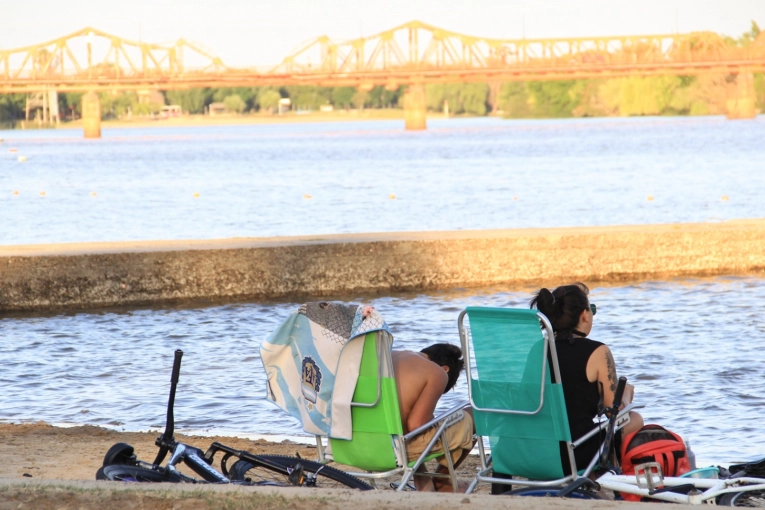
258, 33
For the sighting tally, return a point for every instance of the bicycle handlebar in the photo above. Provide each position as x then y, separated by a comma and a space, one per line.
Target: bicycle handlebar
618, 394
166, 438
614, 412
176, 367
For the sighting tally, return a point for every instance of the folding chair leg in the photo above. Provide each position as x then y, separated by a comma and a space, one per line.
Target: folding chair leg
408, 472
449, 462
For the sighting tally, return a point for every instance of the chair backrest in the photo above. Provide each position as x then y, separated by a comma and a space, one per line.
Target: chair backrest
515, 403
374, 428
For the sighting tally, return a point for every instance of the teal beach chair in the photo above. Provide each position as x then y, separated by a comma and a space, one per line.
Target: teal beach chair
517, 401
379, 445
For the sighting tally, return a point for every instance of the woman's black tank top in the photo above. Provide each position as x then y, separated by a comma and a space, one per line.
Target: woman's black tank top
582, 396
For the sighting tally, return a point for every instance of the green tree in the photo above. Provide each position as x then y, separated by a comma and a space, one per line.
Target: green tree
473, 98
467, 98
554, 98
12, 107
269, 100
191, 100
247, 94
115, 105
384, 98
360, 99
308, 97
342, 97
234, 103
514, 100
70, 104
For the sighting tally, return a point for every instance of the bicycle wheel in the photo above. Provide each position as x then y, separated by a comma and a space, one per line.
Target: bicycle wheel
551, 492
746, 499
123, 473
283, 470
120, 453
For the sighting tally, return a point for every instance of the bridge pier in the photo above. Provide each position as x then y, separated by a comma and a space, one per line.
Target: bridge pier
741, 97
415, 108
91, 115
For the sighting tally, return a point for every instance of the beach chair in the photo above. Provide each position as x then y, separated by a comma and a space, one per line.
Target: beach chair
379, 445
517, 401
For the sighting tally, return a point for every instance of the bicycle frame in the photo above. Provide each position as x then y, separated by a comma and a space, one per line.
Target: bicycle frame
703, 489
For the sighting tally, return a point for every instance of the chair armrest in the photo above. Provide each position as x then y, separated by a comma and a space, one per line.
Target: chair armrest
450, 415
621, 419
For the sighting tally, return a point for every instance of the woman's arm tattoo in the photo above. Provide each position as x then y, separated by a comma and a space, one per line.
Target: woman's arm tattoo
611, 369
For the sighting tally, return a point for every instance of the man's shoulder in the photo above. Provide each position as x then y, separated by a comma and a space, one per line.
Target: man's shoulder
414, 363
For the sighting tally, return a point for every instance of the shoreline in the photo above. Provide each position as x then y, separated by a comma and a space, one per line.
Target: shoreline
197, 120
351, 115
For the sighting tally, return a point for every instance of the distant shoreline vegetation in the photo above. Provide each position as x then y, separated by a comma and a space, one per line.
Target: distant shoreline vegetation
630, 96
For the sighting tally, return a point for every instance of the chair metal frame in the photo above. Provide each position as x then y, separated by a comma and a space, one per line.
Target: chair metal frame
549, 346
399, 442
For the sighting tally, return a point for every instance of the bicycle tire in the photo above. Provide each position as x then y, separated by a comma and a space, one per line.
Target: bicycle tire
276, 470
746, 499
123, 473
551, 492
120, 453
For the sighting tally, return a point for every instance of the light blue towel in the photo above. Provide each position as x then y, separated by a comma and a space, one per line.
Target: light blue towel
312, 363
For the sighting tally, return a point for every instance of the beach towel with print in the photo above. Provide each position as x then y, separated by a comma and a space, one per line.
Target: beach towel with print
312, 363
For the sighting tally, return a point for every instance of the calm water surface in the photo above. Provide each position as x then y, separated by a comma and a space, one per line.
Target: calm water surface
692, 348
255, 180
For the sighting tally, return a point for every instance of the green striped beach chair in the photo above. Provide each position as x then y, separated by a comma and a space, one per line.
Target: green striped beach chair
379, 445
518, 405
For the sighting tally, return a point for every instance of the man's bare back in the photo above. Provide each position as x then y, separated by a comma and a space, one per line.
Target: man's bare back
420, 383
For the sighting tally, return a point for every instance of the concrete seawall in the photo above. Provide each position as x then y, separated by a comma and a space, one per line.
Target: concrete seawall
80, 276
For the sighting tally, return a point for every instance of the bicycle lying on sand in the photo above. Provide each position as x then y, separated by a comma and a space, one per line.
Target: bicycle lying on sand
121, 464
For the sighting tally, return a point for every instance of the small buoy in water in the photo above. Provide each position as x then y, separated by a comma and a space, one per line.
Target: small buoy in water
42, 193
392, 196
725, 198
649, 198
196, 195
22, 159
307, 196
515, 198
15, 192
12, 149
93, 194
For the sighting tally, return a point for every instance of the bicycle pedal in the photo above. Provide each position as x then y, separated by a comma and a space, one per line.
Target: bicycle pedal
649, 476
297, 475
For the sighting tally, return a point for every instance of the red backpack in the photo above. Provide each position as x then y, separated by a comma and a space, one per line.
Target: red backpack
654, 443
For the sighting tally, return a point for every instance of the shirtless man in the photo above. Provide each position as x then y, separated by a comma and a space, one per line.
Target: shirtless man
421, 379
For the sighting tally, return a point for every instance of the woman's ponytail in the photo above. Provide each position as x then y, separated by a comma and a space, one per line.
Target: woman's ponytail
544, 301
562, 307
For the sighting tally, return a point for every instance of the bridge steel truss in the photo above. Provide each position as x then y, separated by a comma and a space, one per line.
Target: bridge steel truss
413, 53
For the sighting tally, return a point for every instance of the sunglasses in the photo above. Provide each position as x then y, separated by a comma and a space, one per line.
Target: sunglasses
593, 308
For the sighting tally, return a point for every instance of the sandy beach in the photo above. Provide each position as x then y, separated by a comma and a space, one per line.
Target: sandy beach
45, 467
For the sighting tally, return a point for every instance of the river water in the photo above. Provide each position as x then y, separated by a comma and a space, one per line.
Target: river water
256, 180
690, 346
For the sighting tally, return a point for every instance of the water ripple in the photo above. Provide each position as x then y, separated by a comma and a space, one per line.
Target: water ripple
690, 347
473, 165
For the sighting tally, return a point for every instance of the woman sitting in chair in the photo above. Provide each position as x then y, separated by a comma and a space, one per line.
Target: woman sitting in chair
587, 368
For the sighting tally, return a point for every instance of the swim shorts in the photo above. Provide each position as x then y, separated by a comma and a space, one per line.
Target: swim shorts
459, 436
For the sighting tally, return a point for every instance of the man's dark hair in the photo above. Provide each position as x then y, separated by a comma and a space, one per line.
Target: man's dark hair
446, 355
